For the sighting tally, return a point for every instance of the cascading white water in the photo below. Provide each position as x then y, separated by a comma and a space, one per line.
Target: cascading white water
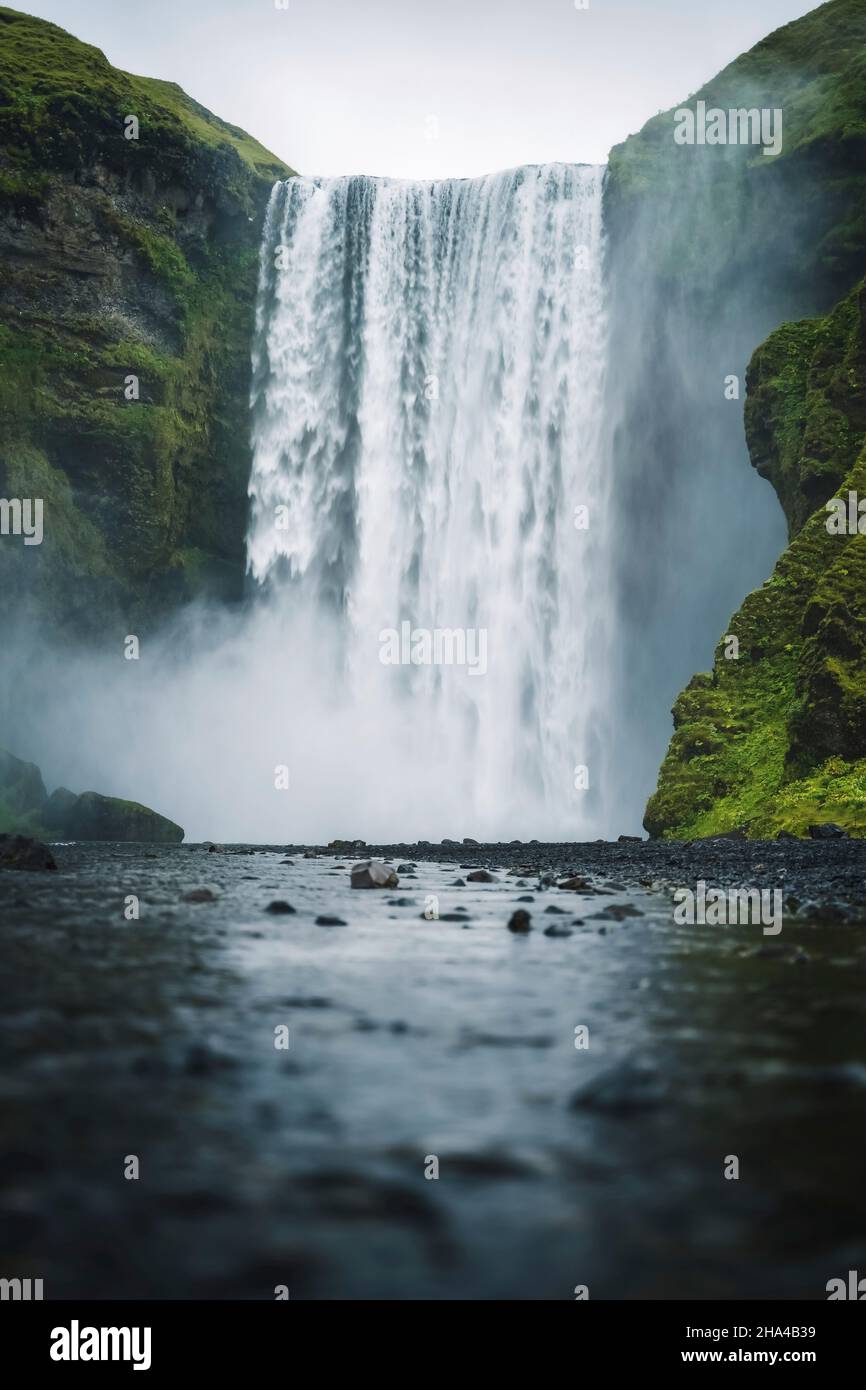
428, 372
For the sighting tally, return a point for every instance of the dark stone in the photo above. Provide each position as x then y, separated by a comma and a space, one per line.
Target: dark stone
827, 831
200, 895
373, 874
485, 1167
552, 910
22, 852
480, 876
326, 921
202, 1060
622, 1090
630, 840
468, 841
279, 908
556, 930
617, 912
520, 921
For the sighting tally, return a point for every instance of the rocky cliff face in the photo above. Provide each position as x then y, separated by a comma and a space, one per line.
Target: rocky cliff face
722, 246
128, 270
774, 738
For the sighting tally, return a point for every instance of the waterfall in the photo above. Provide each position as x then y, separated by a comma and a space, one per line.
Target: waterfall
428, 374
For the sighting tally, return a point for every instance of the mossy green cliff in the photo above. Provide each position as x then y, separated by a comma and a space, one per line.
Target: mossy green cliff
27, 809
800, 214
775, 738
122, 258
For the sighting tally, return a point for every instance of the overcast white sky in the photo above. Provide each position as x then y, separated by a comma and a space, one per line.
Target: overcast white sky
349, 86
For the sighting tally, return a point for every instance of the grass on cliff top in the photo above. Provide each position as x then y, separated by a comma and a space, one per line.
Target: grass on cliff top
813, 68
49, 79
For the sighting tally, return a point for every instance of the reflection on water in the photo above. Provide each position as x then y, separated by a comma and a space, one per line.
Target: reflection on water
409, 1040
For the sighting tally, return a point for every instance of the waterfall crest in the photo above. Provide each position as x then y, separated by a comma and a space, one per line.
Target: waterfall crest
428, 374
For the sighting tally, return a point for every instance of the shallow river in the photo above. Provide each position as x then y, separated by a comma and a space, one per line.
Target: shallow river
412, 1044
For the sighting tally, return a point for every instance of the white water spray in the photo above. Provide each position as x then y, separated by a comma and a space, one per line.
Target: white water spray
428, 374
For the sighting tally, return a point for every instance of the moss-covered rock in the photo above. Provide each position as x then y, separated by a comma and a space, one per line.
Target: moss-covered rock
776, 739
26, 809
95, 817
122, 258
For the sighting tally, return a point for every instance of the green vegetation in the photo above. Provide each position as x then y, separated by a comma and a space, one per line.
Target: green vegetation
776, 740
63, 106
122, 257
26, 809
814, 70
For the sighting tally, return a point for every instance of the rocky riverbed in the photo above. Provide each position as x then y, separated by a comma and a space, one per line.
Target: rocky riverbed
580, 1087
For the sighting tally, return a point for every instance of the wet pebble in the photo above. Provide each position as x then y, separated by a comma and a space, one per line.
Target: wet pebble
200, 895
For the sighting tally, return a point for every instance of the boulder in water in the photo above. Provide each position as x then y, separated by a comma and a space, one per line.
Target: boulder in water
200, 895
22, 852
520, 921
622, 1090
373, 874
